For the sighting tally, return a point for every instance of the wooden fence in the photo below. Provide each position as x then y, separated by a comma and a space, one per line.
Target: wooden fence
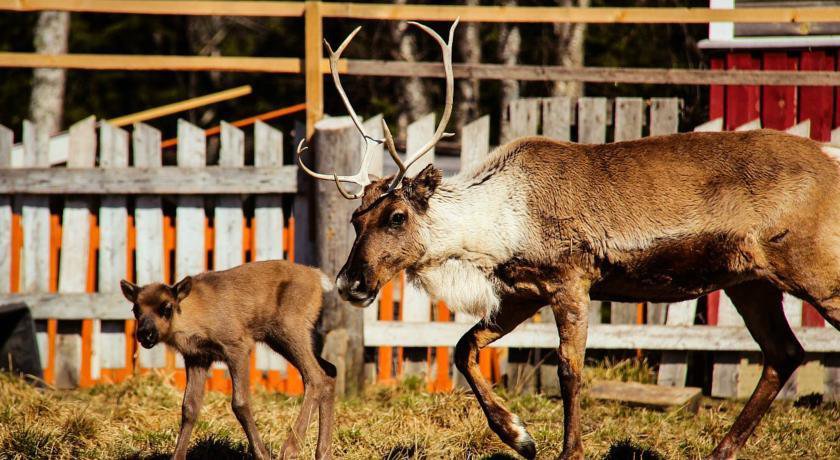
69, 234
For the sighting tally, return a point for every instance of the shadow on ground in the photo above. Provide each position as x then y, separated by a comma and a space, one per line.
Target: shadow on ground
627, 450
211, 447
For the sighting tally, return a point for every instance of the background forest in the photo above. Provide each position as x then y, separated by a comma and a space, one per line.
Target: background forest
109, 94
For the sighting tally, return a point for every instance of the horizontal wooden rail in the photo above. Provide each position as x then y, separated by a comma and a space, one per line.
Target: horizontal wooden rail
521, 14
271, 115
603, 336
166, 180
159, 62
366, 67
529, 335
181, 106
596, 74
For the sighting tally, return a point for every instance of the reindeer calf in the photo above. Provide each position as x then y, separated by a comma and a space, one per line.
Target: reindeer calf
219, 316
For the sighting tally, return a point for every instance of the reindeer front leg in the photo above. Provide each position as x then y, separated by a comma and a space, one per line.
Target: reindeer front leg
193, 398
570, 313
505, 424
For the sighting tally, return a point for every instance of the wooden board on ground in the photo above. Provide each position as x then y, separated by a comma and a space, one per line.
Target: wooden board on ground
650, 396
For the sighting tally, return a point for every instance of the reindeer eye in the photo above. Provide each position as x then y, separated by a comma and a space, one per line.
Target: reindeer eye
397, 219
165, 310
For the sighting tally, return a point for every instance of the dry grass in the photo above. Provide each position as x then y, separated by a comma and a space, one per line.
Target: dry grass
139, 419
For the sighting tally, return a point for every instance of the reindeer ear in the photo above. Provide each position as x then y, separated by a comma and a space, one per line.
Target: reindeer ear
421, 187
182, 288
129, 290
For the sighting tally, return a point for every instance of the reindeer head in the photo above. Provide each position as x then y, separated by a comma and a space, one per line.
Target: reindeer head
153, 306
389, 221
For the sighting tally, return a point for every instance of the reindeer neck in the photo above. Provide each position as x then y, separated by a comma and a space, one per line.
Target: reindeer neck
483, 222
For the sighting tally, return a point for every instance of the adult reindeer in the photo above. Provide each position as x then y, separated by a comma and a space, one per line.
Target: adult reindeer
662, 219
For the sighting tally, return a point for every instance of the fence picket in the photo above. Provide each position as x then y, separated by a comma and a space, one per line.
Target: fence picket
592, 120
557, 118
70, 371
110, 336
6, 215
268, 240
148, 218
227, 250
416, 304
190, 243
664, 115
524, 118
35, 257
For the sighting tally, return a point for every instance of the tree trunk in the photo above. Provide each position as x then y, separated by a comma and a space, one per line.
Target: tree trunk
509, 44
46, 107
570, 41
470, 48
413, 97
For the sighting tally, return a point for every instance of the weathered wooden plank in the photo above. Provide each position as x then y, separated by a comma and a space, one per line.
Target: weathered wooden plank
416, 303
6, 211
629, 118
148, 221
35, 216
674, 368
601, 336
227, 250
75, 255
304, 250
725, 373
268, 220
189, 213
664, 115
133, 181
650, 396
475, 142
113, 245
268, 212
523, 119
557, 118
592, 120
35, 223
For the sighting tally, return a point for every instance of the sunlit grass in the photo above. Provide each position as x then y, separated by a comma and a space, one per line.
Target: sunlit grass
139, 419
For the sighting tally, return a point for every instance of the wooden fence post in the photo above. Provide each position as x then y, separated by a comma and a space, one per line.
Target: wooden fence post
148, 218
336, 147
314, 37
109, 336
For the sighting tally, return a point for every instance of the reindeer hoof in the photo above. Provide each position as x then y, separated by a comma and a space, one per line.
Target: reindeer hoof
524, 443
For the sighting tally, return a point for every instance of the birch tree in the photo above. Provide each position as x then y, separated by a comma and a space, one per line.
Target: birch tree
412, 94
46, 106
569, 51
510, 43
469, 46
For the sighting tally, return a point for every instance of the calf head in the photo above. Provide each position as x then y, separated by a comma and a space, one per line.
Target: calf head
154, 307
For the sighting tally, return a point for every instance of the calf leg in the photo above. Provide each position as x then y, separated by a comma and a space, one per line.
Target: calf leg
570, 314
193, 398
318, 390
760, 303
238, 365
506, 425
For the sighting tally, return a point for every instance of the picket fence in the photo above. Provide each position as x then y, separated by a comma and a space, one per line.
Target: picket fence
69, 234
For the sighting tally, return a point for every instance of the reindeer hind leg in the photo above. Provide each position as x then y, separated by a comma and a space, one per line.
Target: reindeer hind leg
760, 304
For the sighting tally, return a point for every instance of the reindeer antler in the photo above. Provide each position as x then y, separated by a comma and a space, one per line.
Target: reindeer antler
362, 177
446, 49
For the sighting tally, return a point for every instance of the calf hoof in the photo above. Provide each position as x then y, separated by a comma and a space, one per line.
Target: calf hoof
523, 443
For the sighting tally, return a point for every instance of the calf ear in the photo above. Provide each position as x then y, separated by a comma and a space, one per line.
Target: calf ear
129, 290
421, 188
182, 288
